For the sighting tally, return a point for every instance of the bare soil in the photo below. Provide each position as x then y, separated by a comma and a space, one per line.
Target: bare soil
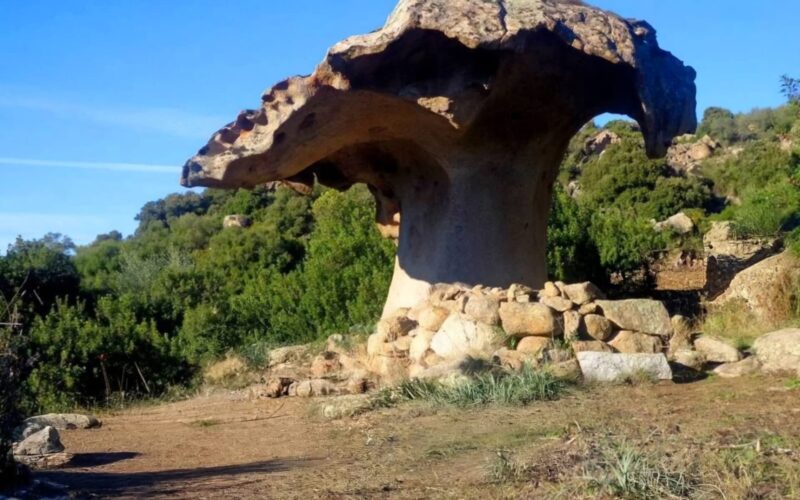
227, 445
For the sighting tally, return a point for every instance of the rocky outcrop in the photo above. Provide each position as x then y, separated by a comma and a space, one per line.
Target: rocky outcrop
727, 255
765, 289
458, 111
240, 221
689, 152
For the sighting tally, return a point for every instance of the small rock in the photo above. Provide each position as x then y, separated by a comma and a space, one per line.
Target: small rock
395, 326
432, 317
533, 345
590, 308
583, 293
345, 406
403, 344
44, 442
550, 290
316, 387
689, 359
716, 351
598, 327
569, 369
514, 360
611, 367
522, 320
278, 387
779, 351
557, 303
49, 461
290, 354
590, 346
636, 343
746, 366
483, 309
639, 315
325, 364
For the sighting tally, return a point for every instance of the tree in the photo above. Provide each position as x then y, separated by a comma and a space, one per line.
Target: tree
790, 87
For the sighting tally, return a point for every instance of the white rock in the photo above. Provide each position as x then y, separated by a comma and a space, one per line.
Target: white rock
44, 442
611, 367
421, 344
459, 336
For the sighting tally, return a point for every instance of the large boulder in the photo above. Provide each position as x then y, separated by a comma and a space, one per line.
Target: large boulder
460, 336
766, 288
717, 350
779, 351
741, 368
639, 315
597, 327
59, 421
528, 319
43, 442
611, 367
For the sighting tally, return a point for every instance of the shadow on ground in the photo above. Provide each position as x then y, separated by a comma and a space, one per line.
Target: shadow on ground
139, 484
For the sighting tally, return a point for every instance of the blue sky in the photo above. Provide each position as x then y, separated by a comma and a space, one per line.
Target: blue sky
101, 102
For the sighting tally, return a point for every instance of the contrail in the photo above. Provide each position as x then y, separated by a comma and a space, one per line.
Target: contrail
91, 165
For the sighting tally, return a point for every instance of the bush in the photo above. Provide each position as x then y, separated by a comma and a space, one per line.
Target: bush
766, 212
625, 242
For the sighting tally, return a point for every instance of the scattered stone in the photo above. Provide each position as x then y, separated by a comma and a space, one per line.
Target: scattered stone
583, 293
43, 442
291, 354
432, 317
521, 320
460, 336
636, 343
590, 346
484, 309
640, 315
572, 325
741, 368
395, 326
325, 364
550, 290
278, 387
557, 303
345, 406
598, 327
779, 351
611, 367
716, 350
316, 387
533, 345
688, 358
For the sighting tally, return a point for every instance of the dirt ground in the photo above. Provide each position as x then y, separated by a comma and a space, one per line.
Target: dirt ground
226, 445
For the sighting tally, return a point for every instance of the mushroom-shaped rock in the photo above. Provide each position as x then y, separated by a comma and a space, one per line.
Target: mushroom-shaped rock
456, 115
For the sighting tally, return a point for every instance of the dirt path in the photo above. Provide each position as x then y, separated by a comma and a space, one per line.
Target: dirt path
227, 446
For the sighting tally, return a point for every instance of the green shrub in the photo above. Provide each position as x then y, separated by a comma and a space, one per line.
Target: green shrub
768, 211
624, 241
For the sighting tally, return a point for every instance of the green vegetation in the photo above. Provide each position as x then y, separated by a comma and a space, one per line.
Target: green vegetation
489, 388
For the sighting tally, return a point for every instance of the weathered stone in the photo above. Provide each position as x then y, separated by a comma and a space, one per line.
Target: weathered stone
568, 369
240, 221
688, 358
484, 309
583, 293
741, 368
514, 360
45, 462
315, 387
64, 421
590, 308
375, 344
779, 351
598, 327
550, 290
403, 344
43, 442
345, 406
393, 327
522, 320
636, 343
533, 345
765, 289
290, 354
590, 346
557, 303
420, 345
572, 325
325, 364
716, 350
611, 367
679, 223
640, 315
432, 317
459, 336
460, 123
278, 387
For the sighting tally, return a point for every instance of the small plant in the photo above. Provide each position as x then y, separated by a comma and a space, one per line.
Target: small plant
793, 384
504, 468
497, 388
623, 471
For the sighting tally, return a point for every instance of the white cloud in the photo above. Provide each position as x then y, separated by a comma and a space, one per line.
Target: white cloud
92, 165
164, 120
